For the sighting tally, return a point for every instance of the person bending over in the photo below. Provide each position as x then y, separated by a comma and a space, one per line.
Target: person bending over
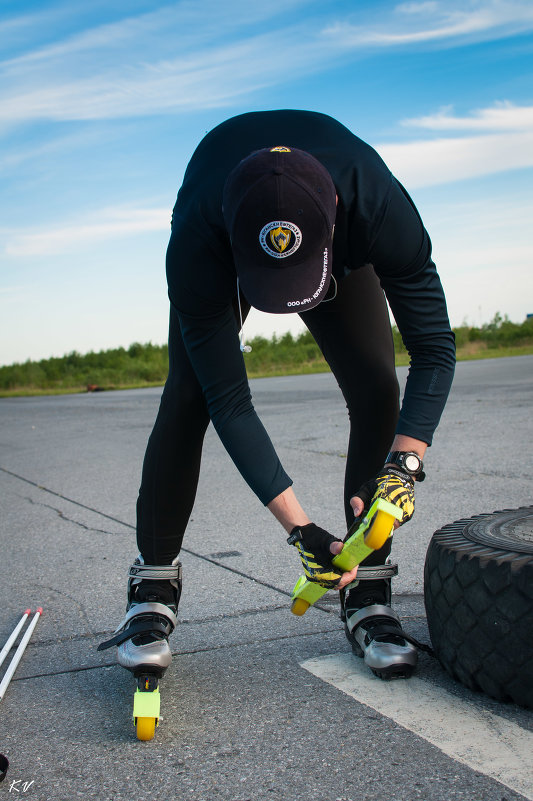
289, 212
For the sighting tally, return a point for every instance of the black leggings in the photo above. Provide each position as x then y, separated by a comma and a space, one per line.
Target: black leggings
353, 332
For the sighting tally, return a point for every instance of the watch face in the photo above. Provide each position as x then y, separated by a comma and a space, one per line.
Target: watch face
412, 462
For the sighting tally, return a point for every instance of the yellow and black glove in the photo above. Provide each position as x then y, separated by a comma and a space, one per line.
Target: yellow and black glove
392, 485
313, 544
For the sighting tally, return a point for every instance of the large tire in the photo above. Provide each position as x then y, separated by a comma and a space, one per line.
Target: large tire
478, 591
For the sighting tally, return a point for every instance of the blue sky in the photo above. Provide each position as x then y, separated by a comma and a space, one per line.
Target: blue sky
102, 104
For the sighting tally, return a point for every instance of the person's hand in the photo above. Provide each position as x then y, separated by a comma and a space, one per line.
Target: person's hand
317, 548
346, 578
392, 485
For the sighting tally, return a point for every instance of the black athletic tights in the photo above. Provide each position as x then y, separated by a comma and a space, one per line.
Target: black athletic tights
353, 332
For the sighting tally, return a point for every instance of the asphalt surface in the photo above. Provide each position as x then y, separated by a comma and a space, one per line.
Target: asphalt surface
241, 718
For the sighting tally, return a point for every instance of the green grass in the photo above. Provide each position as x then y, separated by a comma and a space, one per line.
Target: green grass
146, 365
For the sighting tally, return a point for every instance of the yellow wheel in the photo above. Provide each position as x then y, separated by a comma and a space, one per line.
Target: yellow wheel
379, 530
299, 606
145, 728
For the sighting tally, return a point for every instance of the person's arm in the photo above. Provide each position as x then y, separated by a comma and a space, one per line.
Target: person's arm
287, 511
403, 443
213, 347
401, 255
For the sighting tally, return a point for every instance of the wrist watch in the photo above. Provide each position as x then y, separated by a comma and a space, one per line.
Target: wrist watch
409, 462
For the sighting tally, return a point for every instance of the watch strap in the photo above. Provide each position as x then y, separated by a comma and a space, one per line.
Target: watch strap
398, 458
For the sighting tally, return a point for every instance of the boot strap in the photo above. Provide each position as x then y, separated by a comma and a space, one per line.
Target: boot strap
369, 572
136, 628
358, 617
150, 617
385, 613
157, 572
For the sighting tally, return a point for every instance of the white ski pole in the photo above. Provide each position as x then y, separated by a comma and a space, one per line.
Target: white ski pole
7, 647
18, 653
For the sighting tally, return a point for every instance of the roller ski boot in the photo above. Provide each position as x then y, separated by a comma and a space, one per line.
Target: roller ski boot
373, 629
142, 636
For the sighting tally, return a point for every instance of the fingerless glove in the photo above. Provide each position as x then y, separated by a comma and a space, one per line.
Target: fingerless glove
313, 544
394, 486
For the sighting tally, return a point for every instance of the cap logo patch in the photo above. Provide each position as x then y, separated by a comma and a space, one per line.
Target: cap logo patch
280, 238
280, 149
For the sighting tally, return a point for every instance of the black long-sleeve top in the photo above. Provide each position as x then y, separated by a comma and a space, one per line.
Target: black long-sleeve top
376, 223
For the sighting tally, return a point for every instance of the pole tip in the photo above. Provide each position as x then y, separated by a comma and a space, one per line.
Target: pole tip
27, 612
39, 610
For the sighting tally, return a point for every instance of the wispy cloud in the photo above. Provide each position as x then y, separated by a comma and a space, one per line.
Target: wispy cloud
191, 55
112, 223
441, 161
501, 140
163, 31
41, 152
504, 142
503, 116
199, 79
446, 22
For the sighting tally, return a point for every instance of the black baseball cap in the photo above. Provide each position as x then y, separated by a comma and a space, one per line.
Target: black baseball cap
279, 206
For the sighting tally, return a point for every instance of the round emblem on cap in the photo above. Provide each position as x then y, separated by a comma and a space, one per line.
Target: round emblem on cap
280, 238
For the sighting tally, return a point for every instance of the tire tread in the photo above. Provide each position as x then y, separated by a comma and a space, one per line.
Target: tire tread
479, 606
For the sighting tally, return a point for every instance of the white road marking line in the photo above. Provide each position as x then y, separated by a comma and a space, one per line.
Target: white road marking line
479, 739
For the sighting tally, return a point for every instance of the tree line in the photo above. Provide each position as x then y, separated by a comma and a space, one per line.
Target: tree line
147, 364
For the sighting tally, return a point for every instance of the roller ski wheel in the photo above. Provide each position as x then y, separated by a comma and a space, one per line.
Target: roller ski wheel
379, 531
142, 637
146, 728
299, 607
373, 629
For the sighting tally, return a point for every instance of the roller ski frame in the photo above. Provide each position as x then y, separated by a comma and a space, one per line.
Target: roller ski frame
148, 661
146, 706
363, 537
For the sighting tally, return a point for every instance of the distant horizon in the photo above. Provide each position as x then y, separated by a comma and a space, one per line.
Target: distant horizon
249, 337
102, 106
